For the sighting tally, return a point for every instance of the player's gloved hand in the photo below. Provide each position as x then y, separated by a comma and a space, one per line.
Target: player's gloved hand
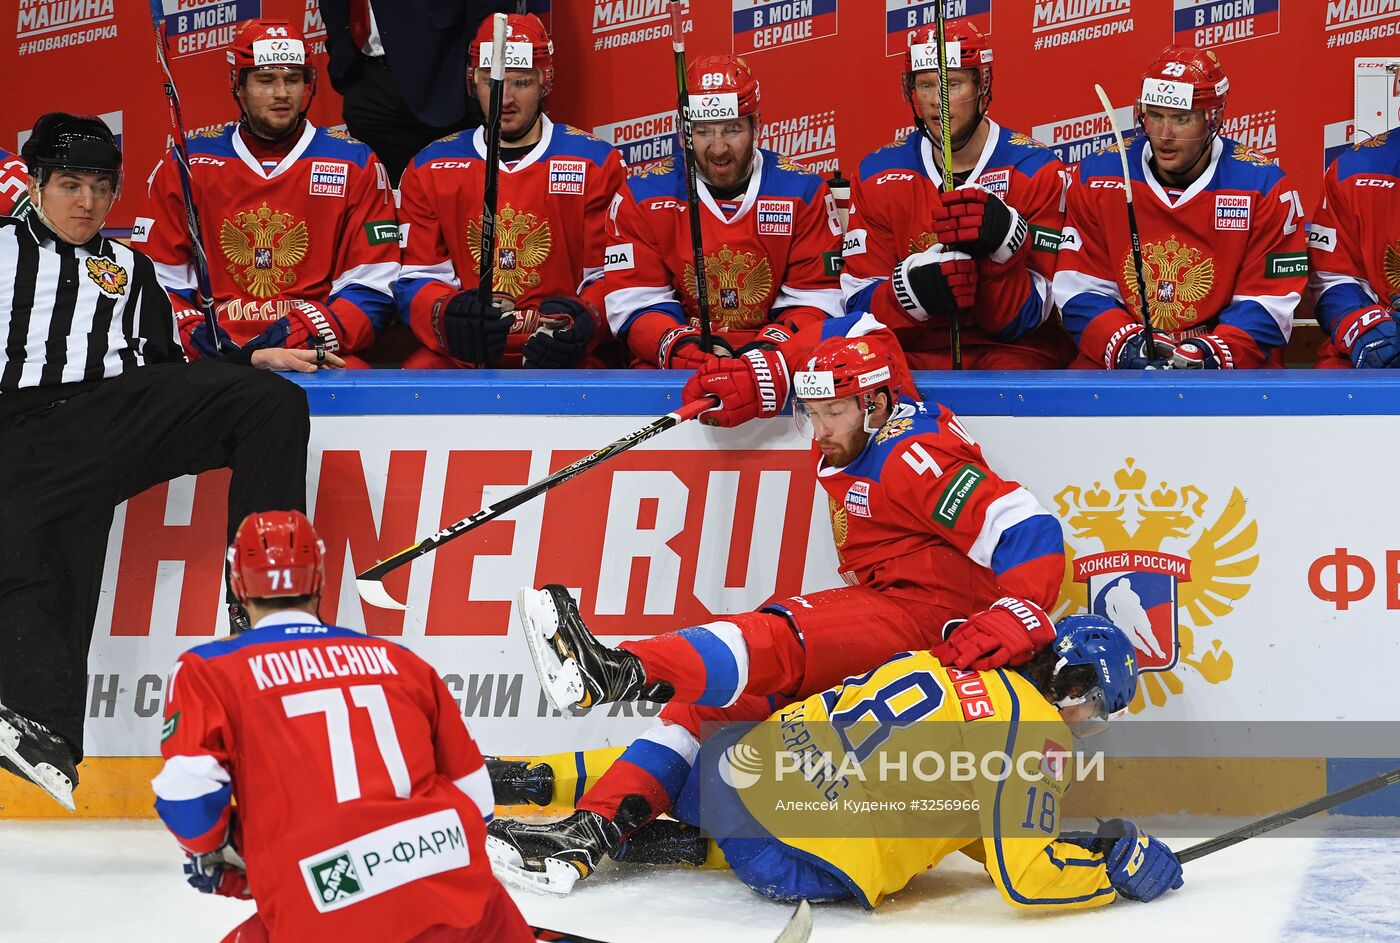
1008, 632
471, 328
1126, 350
680, 349
562, 340
1206, 352
935, 281
771, 337
753, 385
974, 220
1370, 337
1139, 866
307, 325
220, 872
196, 339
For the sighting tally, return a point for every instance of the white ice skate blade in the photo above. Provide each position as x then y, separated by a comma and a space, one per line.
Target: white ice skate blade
45, 776
560, 678
556, 880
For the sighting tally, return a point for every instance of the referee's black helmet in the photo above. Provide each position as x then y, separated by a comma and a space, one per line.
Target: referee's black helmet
81, 143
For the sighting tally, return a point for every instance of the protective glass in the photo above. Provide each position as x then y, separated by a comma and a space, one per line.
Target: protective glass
962, 87
1087, 714
706, 133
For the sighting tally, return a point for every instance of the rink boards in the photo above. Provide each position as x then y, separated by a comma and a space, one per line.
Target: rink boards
1249, 515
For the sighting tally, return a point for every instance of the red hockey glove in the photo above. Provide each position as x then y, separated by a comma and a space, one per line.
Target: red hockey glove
935, 281
1009, 632
976, 221
1205, 352
308, 324
753, 385
1369, 336
1126, 350
220, 872
195, 337
680, 349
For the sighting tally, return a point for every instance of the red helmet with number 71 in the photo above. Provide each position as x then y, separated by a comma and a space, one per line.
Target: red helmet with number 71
721, 88
276, 553
1187, 79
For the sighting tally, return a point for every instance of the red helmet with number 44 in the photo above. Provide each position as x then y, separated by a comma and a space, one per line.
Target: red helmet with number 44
276, 553
270, 44
528, 46
1188, 79
721, 88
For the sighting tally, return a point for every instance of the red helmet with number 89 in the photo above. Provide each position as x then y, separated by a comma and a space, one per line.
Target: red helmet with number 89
276, 553
528, 46
270, 44
721, 88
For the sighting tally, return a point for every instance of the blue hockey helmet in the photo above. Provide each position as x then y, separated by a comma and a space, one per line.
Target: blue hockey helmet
1092, 640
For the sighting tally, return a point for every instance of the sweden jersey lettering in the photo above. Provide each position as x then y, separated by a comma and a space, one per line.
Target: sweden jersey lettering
318, 227
14, 185
892, 203
336, 745
1226, 257
921, 487
1353, 245
550, 235
1011, 825
773, 259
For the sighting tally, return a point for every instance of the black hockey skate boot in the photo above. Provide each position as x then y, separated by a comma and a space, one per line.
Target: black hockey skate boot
238, 620
30, 751
575, 669
517, 782
550, 857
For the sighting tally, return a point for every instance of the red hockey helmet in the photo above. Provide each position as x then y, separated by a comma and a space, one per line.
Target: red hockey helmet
528, 46
967, 48
1186, 78
722, 88
276, 553
270, 44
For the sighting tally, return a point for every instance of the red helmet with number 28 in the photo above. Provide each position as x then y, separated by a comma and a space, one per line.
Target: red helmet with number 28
276, 553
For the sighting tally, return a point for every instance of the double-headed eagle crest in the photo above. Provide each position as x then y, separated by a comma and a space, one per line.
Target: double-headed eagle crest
523, 242
1177, 278
739, 284
263, 247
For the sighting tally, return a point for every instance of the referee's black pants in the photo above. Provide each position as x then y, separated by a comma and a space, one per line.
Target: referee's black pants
65, 468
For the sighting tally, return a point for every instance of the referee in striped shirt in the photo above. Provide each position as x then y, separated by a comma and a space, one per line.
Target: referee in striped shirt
97, 404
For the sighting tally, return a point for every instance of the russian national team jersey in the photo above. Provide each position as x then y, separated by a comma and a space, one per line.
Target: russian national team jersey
1226, 257
320, 226
551, 232
775, 258
362, 800
892, 203
920, 485
14, 185
1354, 238
1011, 824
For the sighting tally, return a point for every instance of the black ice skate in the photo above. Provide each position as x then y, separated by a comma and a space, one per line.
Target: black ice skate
29, 750
550, 858
516, 782
575, 669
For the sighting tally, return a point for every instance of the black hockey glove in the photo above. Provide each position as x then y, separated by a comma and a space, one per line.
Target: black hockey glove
472, 329
562, 340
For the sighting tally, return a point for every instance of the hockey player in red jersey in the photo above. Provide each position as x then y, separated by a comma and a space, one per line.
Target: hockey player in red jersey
985, 251
771, 236
298, 221
1354, 256
555, 186
1221, 227
361, 799
937, 550
14, 185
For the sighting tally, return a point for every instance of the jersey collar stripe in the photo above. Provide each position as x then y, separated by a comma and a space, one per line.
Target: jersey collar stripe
245, 155
1217, 148
750, 195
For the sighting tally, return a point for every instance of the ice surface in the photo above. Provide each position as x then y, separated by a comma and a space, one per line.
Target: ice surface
121, 881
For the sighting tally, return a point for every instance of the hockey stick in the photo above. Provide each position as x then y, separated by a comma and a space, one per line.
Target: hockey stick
1278, 820
798, 929
944, 124
493, 159
1149, 343
205, 291
370, 583
692, 192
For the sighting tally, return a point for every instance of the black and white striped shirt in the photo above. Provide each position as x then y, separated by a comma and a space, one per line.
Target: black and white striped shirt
76, 314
